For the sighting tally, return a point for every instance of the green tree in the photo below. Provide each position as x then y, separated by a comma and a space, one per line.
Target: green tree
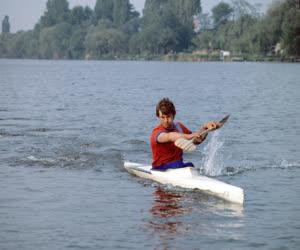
243, 24
242, 8
281, 26
158, 39
234, 34
221, 13
132, 26
185, 10
135, 44
163, 35
57, 11
182, 9
105, 43
291, 31
104, 9
203, 40
224, 36
104, 24
78, 15
54, 41
120, 12
5, 25
117, 11
4, 42
260, 38
76, 45
170, 24
22, 45
132, 12
153, 10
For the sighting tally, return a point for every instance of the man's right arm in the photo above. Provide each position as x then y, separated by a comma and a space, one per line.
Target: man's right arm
173, 136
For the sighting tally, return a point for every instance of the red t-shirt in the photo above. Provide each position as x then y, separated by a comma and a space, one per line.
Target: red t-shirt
166, 152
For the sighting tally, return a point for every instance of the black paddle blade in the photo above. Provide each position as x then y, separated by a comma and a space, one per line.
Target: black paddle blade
224, 120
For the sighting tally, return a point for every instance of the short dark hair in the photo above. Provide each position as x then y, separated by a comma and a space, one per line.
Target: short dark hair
166, 107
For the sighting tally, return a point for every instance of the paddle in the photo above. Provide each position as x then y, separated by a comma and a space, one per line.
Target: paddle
189, 145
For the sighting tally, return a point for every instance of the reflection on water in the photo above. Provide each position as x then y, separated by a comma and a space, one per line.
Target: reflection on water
166, 212
224, 208
175, 213
167, 204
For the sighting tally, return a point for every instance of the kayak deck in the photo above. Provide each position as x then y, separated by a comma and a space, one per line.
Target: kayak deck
188, 177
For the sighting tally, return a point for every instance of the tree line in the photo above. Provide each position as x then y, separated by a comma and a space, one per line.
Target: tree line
240, 28
113, 29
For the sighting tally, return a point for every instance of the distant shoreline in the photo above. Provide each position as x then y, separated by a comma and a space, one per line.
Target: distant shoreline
180, 57
238, 58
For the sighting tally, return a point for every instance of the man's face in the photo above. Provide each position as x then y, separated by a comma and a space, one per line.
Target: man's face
166, 120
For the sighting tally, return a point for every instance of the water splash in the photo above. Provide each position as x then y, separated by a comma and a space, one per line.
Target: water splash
284, 164
212, 162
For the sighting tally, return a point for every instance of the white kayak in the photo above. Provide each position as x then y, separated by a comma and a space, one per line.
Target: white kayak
188, 177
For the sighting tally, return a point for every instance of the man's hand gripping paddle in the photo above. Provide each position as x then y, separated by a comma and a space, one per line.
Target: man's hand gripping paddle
189, 145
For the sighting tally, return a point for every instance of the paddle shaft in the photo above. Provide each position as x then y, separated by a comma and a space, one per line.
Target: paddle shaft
206, 131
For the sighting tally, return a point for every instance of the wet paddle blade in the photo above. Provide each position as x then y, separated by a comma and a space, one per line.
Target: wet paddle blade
224, 120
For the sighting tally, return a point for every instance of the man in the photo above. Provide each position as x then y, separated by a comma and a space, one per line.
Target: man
165, 154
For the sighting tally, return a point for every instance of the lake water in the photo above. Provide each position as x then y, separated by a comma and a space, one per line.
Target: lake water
66, 128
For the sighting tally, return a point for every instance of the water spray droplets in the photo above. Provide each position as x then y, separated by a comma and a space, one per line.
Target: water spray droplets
213, 161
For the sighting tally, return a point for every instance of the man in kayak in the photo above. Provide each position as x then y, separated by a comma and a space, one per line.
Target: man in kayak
165, 154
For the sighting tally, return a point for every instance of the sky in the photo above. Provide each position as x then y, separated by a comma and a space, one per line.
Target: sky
24, 14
